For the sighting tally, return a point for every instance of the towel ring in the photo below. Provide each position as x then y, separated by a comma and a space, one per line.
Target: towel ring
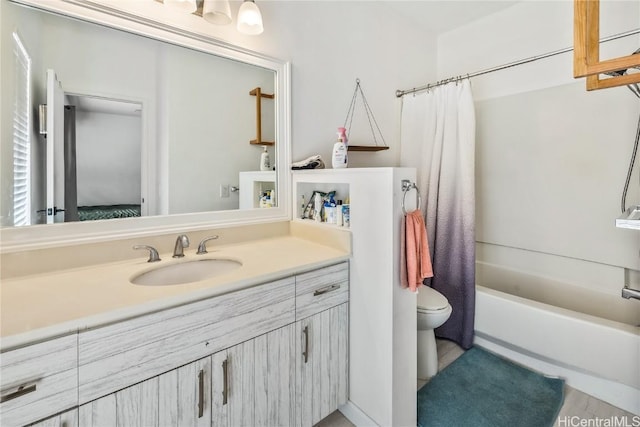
406, 187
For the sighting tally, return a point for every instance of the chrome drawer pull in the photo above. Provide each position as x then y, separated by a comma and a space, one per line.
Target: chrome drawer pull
225, 385
329, 288
21, 391
201, 394
305, 353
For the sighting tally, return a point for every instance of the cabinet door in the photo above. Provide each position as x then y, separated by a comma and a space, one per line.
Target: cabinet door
275, 378
233, 386
135, 406
185, 395
181, 397
66, 419
253, 382
321, 364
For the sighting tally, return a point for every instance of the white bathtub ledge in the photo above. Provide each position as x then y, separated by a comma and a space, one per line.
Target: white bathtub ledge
604, 351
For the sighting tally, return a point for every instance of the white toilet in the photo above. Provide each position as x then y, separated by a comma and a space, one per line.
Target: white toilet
433, 311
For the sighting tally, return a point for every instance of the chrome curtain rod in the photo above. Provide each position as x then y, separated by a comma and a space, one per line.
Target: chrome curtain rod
400, 93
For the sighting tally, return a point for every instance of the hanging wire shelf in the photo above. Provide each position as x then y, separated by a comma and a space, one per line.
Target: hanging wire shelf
373, 124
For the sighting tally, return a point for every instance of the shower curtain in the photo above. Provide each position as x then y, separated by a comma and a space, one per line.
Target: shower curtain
438, 139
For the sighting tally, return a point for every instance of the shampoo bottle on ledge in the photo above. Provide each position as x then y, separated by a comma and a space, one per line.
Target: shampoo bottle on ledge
339, 154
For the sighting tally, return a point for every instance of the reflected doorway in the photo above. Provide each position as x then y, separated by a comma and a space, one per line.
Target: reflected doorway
108, 158
94, 156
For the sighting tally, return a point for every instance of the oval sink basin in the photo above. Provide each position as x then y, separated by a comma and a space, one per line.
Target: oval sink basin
186, 272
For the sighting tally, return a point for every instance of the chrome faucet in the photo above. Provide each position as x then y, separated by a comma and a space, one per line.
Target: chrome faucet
181, 242
202, 247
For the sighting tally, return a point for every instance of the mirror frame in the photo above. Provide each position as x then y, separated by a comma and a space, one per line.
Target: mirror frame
14, 239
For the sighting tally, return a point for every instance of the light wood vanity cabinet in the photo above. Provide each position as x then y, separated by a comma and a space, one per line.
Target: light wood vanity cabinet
270, 355
322, 364
254, 382
184, 396
115, 356
175, 398
320, 290
322, 342
38, 380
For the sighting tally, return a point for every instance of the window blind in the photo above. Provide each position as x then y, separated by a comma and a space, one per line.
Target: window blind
21, 135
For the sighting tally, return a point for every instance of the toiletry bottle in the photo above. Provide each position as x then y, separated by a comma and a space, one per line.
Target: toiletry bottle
317, 208
346, 216
330, 211
339, 221
325, 210
265, 162
339, 154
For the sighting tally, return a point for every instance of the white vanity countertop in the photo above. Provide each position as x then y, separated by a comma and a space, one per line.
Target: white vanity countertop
37, 307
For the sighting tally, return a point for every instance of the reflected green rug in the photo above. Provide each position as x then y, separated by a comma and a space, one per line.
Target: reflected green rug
480, 389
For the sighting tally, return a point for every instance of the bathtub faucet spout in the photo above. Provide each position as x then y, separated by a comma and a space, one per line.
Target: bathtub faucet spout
627, 293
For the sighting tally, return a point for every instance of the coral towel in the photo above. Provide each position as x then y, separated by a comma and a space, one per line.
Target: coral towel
416, 248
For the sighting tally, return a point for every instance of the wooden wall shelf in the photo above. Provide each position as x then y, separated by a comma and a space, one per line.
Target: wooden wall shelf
257, 92
586, 50
366, 147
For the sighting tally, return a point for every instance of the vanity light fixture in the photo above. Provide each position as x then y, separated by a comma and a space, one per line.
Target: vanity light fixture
217, 11
186, 6
249, 18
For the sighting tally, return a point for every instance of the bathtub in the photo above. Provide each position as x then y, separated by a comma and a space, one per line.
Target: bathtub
590, 338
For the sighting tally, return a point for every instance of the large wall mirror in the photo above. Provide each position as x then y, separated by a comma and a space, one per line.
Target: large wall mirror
146, 127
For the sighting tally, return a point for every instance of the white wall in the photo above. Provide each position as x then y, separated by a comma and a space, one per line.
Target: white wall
329, 45
551, 157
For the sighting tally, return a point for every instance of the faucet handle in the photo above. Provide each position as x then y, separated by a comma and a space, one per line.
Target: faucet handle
153, 253
202, 247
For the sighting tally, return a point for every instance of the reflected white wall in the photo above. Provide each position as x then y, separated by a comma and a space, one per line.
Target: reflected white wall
108, 158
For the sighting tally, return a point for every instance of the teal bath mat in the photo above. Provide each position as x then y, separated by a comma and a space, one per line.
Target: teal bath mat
480, 389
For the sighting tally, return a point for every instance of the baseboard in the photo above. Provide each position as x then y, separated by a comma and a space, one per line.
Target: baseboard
616, 394
355, 415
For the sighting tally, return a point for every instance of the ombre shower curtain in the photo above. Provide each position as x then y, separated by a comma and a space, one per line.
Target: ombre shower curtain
438, 139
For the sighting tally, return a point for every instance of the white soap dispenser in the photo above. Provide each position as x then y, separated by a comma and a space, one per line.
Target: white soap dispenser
265, 162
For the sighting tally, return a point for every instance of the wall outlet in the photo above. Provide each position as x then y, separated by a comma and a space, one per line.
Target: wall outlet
224, 190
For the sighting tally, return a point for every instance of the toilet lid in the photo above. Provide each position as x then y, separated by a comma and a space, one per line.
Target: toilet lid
430, 299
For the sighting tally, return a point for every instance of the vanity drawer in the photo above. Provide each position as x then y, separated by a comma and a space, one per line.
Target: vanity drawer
321, 289
116, 356
38, 380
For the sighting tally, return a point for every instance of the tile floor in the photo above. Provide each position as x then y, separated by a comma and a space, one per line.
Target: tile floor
576, 403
